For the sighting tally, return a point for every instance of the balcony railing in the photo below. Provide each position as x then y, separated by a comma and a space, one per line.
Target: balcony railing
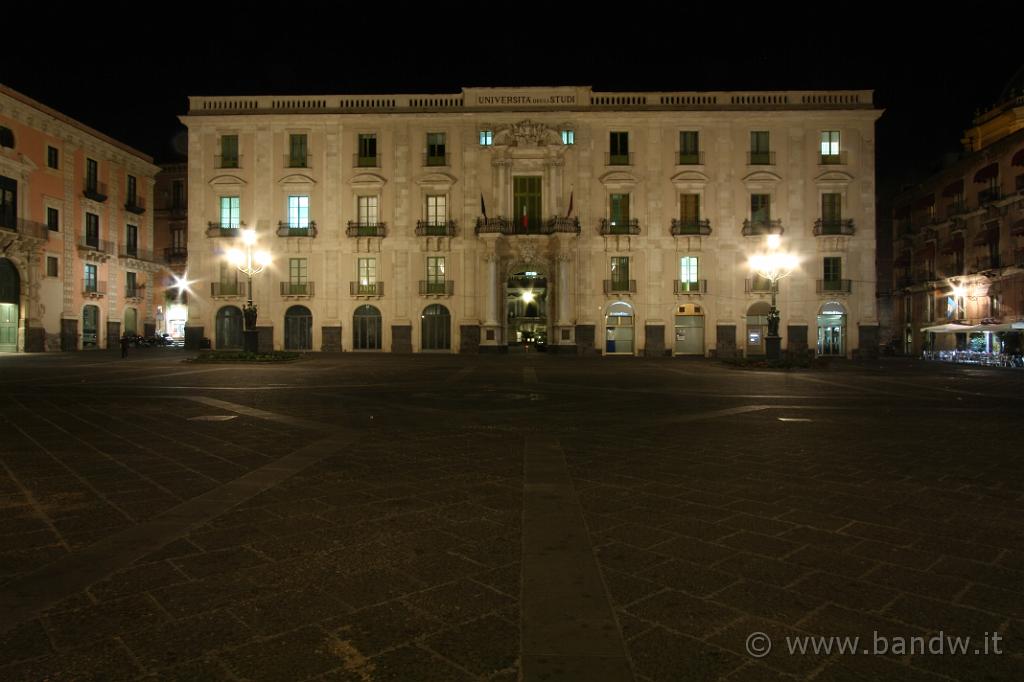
501, 225
286, 229
97, 191
698, 287
987, 196
985, 263
618, 159
757, 285
446, 288
760, 158
832, 159
435, 229
296, 288
631, 226
222, 230
956, 208
824, 227
298, 161
134, 292
368, 289
128, 251
359, 229
842, 286
97, 245
221, 161
93, 288
758, 228
561, 224
361, 161
620, 286
28, 228
175, 254
691, 159
681, 228
225, 289
135, 205
435, 159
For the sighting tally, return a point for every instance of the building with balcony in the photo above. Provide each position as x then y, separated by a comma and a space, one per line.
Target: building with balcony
170, 246
618, 223
958, 242
76, 232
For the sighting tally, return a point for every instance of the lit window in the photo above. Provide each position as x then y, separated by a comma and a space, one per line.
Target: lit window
688, 269
568, 137
367, 272
437, 209
486, 138
298, 211
367, 210
830, 143
229, 207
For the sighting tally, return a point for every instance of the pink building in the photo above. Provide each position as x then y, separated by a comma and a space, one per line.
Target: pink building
76, 233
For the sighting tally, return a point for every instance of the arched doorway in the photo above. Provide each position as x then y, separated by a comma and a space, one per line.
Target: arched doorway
90, 326
526, 303
10, 299
131, 321
618, 329
366, 328
832, 329
298, 328
229, 328
757, 327
435, 328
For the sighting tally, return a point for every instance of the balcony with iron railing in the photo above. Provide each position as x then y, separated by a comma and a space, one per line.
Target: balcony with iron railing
135, 205
614, 227
228, 230
563, 224
618, 159
690, 159
369, 289
956, 208
760, 228
95, 190
425, 228
133, 251
620, 286
757, 285
93, 288
222, 161
365, 229
990, 195
366, 161
25, 228
824, 227
760, 158
437, 287
286, 229
101, 246
832, 159
298, 289
690, 227
505, 226
699, 286
175, 254
834, 286
303, 161
135, 292
226, 289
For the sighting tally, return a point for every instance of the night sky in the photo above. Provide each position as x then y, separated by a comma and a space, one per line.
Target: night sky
133, 83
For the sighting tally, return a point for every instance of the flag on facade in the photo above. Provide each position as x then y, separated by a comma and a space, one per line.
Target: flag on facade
483, 208
569, 212
525, 219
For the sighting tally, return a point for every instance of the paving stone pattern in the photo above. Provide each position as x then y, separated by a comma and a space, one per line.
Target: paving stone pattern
389, 544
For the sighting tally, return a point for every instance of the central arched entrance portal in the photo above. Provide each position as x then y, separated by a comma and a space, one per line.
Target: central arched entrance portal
10, 298
832, 329
618, 329
229, 328
298, 328
526, 302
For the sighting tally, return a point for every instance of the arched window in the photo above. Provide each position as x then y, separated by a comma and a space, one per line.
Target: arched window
229, 328
10, 298
436, 328
298, 328
366, 328
6, 137
757, 327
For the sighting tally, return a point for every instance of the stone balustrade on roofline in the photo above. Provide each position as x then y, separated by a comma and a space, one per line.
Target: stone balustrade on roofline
535, 99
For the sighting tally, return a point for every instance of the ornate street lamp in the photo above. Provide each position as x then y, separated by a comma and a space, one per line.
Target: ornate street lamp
250, 263
773, 265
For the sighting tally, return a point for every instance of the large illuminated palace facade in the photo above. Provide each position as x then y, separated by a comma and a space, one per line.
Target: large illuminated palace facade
619, 223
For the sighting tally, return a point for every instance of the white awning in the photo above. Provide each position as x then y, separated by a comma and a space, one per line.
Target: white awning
949, 328
962, 328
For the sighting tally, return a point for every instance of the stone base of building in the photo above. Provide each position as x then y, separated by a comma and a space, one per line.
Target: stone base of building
266, 340
35, 339
564, 349
68, 334
585, 339
331, 339
401, 339
113, 335
193, 337
867, 340
654, 341
469, 338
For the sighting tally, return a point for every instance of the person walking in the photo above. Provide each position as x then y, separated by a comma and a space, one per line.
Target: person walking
124, 345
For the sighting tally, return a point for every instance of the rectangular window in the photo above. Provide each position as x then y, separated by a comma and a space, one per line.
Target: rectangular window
688, 269
568, 137
297, 271
92, 175
177, 238
53, 219
435, 275
830, 146
760, 208
229, 212
297, 151
437, 210
486, 138
178, 194
831, 213
929, 310
366, 156
367, 273
832, 268
298, 211
689, 209
620, 272
130, 193
367, 211
229, 151
92, 230
90, 278
760, 148
52, 266
8, 202
619, 209
52, 157
689, 147
132, 240
436, 149
130, 285
228, 275
955, 309
618, 149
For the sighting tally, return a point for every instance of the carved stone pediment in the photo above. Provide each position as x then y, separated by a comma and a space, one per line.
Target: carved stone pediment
526, 133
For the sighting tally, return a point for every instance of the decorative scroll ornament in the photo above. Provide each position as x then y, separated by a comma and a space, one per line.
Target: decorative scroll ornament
526, 134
